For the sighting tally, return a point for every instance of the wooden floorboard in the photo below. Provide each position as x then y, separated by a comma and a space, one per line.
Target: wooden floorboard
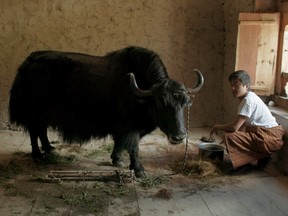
223, 201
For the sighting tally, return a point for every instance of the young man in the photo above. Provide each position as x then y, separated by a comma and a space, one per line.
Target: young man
254, 134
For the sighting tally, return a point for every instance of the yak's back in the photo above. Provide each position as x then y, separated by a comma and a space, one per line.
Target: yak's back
81, 95
62, 90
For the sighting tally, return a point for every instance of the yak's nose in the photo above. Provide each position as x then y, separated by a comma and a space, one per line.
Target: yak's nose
177, 139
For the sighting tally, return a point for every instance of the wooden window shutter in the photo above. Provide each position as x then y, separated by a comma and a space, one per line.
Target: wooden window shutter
257, 44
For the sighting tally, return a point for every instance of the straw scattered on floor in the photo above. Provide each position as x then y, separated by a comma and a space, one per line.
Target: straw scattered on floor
196, 168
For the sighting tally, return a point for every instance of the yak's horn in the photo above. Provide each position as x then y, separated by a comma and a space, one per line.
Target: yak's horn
199, 84
138, 92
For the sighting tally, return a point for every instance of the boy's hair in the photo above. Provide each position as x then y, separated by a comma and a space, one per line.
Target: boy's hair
242, 75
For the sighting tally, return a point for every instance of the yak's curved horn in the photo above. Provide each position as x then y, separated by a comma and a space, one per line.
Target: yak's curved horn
138, 92
200, 82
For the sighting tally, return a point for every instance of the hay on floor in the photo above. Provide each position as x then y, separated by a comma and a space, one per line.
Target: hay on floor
196, 168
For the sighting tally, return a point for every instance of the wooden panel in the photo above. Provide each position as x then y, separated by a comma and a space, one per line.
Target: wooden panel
267, 54
257, 45
246, 50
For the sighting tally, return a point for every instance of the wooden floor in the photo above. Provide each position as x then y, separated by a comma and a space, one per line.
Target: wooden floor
258, 193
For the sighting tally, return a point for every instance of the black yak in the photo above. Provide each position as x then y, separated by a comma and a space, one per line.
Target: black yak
126, 94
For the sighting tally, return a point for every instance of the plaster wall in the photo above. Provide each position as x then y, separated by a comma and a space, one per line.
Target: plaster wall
231, 10
186, 33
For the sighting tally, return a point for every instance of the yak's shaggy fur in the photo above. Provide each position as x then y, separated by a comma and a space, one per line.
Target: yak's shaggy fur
84, 97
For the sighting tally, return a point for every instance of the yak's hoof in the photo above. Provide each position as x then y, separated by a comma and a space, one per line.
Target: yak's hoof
48, 149
37, 156
118, 164
140, 174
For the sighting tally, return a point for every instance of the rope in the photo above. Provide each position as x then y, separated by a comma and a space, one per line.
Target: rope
186, 144
187, 139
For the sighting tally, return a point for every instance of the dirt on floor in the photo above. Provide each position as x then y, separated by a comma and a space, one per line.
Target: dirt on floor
80, 180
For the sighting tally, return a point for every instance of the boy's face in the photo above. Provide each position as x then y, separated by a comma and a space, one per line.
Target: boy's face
238, 89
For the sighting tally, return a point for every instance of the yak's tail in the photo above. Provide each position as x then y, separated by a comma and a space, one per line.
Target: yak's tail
17, 112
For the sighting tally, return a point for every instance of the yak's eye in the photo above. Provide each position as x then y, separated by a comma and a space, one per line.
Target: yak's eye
178, 94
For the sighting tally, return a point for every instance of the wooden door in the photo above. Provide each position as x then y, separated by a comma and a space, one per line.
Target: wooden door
257, 44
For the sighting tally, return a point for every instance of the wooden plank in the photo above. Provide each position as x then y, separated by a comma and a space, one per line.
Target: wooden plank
253, 196
223, 201
185, 202
190, 203
267, 55
259, 197
276, 188
247, 52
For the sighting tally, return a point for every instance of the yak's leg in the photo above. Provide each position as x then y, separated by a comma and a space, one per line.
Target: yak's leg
33, 132
128, 142
44, 140
116, 155
135, 163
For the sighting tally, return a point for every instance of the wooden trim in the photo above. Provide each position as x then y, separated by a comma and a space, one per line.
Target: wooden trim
260, 88
257, 22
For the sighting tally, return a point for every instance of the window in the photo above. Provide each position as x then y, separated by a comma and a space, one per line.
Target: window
284, 64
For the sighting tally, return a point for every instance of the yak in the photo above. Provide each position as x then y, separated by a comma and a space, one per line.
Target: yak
126, 94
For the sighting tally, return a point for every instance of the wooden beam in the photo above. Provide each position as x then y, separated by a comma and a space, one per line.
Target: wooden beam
257, 22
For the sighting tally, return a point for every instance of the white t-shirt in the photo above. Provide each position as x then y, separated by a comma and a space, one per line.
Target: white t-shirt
256, 111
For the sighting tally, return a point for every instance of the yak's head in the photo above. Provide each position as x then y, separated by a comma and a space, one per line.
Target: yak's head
170, 100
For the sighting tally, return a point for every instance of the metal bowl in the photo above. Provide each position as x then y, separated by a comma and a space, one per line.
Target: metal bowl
211, 151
